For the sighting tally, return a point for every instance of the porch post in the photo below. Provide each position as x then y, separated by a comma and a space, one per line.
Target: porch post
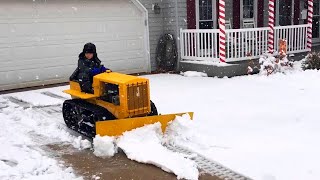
310, 15
222, 33
271, 26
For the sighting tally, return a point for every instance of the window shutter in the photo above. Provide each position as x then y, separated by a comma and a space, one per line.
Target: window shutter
236, 14
260, 13
191, 14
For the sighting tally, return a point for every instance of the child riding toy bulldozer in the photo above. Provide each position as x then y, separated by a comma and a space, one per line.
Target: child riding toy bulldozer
108, 103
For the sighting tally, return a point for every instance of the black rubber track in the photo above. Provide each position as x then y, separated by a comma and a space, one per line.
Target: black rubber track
81, 116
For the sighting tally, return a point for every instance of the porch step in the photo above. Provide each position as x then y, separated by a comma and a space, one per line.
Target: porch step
215, 70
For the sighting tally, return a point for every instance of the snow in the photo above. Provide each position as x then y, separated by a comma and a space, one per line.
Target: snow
23, 132
37, 99
214, 63
104, 146
182, 130
193, 74
145, 145
265, 127
257, 125
81, 144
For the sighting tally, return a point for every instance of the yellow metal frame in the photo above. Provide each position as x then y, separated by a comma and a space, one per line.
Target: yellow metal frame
75, 92
123, 122
119, 126
122, 80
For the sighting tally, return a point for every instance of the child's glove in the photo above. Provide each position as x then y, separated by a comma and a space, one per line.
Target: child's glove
104, 69
95, 71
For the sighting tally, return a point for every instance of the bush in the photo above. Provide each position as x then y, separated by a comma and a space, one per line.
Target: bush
270, 64
312, 61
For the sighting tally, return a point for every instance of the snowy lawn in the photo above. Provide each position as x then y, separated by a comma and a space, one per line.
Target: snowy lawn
264, 127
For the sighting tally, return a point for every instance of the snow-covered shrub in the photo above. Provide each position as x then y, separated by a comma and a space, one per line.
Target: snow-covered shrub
312, 61
273, 64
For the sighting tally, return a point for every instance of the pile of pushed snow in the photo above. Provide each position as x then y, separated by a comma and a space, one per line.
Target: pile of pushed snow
183, 132
81, 144
104, 146
194, 74
145, 145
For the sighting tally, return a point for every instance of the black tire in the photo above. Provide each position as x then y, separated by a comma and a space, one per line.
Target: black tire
154, 111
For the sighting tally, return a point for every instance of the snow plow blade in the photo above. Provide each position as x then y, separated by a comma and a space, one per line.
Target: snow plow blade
119, 126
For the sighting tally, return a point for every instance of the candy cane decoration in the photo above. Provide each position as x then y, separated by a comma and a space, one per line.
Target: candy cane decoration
222, 34
271, 26
310, 15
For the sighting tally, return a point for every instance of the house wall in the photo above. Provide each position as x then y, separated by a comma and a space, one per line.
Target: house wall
156, 28
175, 17
172, 17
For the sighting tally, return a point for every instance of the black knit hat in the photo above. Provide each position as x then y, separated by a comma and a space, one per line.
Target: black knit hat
89, 48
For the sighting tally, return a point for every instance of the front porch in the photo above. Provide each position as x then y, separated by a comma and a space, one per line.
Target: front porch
223, 36
241, 44
200, 48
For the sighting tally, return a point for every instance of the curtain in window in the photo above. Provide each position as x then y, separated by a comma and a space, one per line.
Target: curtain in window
205, 14
248, 6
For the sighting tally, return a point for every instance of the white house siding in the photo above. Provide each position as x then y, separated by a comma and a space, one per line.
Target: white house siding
40, 40
165, 22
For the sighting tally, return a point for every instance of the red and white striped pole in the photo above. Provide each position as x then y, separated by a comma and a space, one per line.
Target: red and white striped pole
271, 26
222, 33
310, 15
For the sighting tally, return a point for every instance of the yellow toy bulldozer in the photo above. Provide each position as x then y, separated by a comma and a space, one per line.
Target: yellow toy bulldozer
120, 103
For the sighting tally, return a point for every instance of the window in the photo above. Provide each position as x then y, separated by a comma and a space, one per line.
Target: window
285, 12
248, 9
205, 14
315, 20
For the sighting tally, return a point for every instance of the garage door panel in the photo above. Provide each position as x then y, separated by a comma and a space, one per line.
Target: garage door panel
124, 65
40, 41
135, 44
4, 30
4, 54
119, 56
30, 75
13, 65
40, 52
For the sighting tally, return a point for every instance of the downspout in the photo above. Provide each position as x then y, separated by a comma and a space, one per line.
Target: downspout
177, 35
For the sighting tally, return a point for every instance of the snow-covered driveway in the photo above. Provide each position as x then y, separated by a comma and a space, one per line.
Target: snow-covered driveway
264, 127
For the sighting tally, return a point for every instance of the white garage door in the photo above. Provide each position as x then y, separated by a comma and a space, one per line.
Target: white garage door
40, 40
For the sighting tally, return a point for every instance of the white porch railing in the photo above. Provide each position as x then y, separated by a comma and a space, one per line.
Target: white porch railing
199, 44
241, 44
296, 37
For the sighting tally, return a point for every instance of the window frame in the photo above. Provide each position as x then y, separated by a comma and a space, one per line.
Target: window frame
317, 40
255, 13
214, 12
277, 12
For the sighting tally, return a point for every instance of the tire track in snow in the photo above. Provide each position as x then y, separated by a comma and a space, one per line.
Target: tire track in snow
207, 165
56, 110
